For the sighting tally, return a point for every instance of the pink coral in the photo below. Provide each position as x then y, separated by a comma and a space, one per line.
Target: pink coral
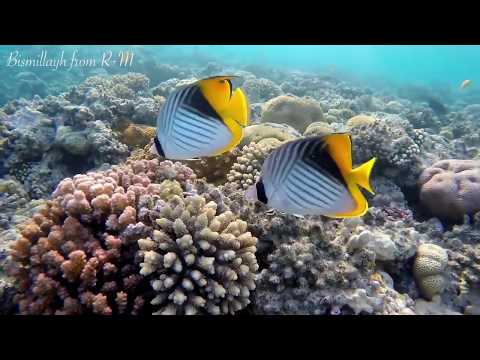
451, 188
71, 258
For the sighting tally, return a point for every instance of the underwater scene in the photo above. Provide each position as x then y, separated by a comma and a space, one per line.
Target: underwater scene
240, 180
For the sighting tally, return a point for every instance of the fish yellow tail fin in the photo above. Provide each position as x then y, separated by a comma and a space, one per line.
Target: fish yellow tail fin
361, 175
238, 108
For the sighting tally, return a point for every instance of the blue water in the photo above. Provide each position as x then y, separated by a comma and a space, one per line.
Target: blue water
441, 67
424, 64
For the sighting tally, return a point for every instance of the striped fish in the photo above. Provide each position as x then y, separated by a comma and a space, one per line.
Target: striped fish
203, 119
314, 176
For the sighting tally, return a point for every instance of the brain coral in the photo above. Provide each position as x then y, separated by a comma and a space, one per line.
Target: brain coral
451, 188
292, 110
430, 263
197, 259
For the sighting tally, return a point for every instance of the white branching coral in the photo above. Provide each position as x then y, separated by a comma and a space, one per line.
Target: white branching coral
198, 261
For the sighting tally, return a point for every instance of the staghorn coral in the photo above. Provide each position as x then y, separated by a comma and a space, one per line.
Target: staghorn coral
292, 110
430, 264
197, 259
70, 258
451, 188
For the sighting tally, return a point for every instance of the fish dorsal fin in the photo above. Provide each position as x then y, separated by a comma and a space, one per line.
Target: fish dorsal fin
217, 91
339, 147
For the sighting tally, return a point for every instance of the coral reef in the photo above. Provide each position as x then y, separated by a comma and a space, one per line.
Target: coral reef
451, 188
127, 233
70, 258
313, 274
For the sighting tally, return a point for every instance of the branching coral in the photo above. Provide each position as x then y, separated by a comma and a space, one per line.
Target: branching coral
70, 258
246, 170
197, 260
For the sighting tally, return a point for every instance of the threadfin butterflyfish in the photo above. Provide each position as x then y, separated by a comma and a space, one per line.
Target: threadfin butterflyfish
465, 84
314, 176
203, 119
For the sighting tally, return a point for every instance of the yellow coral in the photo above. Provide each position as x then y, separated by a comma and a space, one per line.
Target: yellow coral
360, 120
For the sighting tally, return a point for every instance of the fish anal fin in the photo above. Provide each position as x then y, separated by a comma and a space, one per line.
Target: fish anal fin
361, 175
237, 134
340, 149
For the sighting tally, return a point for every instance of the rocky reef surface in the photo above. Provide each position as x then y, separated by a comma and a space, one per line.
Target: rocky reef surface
91, 223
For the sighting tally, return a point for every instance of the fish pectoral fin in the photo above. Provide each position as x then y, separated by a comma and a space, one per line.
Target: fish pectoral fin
361, 175
238, 108
237, 133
